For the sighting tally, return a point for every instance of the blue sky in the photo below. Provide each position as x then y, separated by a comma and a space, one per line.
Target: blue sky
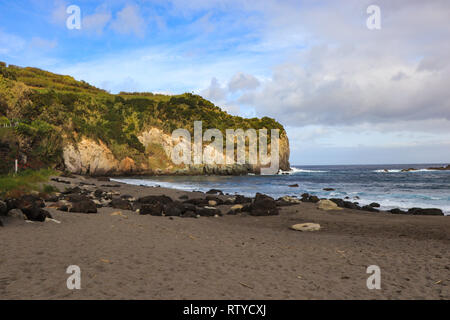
346, 94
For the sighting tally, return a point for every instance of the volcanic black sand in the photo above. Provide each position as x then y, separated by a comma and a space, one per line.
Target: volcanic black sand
131, 256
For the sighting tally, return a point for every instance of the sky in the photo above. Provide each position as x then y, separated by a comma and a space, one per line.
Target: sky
345, 93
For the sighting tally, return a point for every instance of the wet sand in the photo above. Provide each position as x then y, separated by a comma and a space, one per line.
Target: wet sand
130, 256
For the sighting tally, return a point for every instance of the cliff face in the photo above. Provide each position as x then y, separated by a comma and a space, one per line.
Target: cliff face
95, 158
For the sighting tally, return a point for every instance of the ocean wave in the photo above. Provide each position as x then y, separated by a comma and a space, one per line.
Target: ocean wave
297, 170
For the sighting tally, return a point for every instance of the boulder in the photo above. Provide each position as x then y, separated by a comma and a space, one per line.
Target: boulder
74, 197
397, 211
3, 208
306, 227
374, 205
184, 197
369, 209
189, 214
293, 185
235, 209
327, 205
426, 212
287, 201
328, 189
153, 209
214, 191
155, 199
351, 205
36, 214
218, 200
85, 206
16, 213
242, 199
173, 209
208, 212
197, 201
263, 205
339, 202
121, 204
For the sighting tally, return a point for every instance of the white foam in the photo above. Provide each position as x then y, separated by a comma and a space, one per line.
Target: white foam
298, 170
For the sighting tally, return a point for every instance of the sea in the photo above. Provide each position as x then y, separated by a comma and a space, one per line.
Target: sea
384, 184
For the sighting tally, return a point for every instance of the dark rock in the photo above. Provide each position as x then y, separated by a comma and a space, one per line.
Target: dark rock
215, 191
36, 214
369, 209
340, 203
189, 214
189, 207
208, 212
328, 189
16, 213
121, 204
86, 184
173, 209
374, 205
52, 199
111, 186
397, 211
313, 199
242, 199
153, 209
426, 212
74, 190
184, 197
103, 179
99, 193
197, 201
3, 208
60, 180
294, 186
351, 205
263, 206
127, 197
218, 200
155, 199
86, 206
76, 197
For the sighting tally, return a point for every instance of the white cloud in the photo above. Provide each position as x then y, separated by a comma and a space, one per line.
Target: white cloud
242, 81
129, 21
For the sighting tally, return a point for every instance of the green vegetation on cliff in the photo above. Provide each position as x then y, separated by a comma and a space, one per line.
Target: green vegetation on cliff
50, 108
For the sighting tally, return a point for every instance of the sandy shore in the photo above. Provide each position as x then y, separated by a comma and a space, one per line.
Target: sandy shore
130, 256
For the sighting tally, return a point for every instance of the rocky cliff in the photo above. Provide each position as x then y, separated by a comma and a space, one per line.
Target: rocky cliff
91, 157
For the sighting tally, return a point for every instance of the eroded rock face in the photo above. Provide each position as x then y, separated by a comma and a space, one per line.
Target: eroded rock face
91, 157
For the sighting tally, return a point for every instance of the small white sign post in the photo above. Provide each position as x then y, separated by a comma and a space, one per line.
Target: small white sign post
16, 166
